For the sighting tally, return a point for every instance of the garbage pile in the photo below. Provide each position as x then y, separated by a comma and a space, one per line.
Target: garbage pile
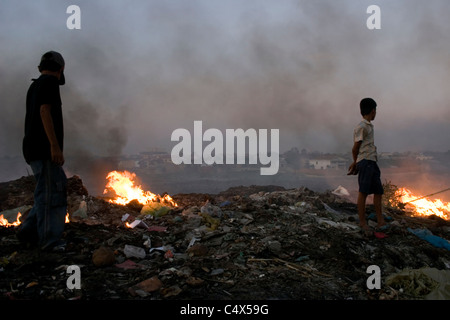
248, 242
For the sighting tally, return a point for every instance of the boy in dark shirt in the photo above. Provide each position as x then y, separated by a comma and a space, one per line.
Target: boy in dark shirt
42, 147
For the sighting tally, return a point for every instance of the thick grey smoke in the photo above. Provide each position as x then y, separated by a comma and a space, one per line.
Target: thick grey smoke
138, 70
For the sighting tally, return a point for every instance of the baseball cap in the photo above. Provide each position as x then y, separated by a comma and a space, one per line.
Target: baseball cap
55, 59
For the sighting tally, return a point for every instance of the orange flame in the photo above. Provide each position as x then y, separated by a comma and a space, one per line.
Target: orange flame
424, 206
5, 223
122, 183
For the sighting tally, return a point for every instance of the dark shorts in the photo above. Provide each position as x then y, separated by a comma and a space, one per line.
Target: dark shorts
369, 177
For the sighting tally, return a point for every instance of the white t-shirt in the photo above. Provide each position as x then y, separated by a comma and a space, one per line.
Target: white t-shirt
364, 133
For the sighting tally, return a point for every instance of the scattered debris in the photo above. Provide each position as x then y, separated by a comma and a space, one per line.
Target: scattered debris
426, 235
425, 283
103, 256
255, 242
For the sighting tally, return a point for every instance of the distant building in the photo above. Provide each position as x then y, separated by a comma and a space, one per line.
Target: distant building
422, 157
320, 164
385, 155
328, 162
154, 157
128, 164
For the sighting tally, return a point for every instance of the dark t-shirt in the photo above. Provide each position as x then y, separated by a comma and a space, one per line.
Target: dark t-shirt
44, 90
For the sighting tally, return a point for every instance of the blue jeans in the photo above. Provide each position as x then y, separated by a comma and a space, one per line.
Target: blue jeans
45, 222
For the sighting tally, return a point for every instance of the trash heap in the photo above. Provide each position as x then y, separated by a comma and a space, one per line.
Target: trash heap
248, 242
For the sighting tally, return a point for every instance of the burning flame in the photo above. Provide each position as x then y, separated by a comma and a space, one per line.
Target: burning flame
5, 223
424, 206
122, 183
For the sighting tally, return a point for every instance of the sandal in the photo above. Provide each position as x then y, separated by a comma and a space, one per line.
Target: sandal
380, 235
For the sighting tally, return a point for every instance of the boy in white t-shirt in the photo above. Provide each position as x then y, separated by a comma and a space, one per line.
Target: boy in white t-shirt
365, 165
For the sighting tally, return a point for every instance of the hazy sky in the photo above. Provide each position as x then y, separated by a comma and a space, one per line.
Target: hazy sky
137, 70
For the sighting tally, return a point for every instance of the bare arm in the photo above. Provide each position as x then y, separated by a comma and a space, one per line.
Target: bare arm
46, 117
355, 151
